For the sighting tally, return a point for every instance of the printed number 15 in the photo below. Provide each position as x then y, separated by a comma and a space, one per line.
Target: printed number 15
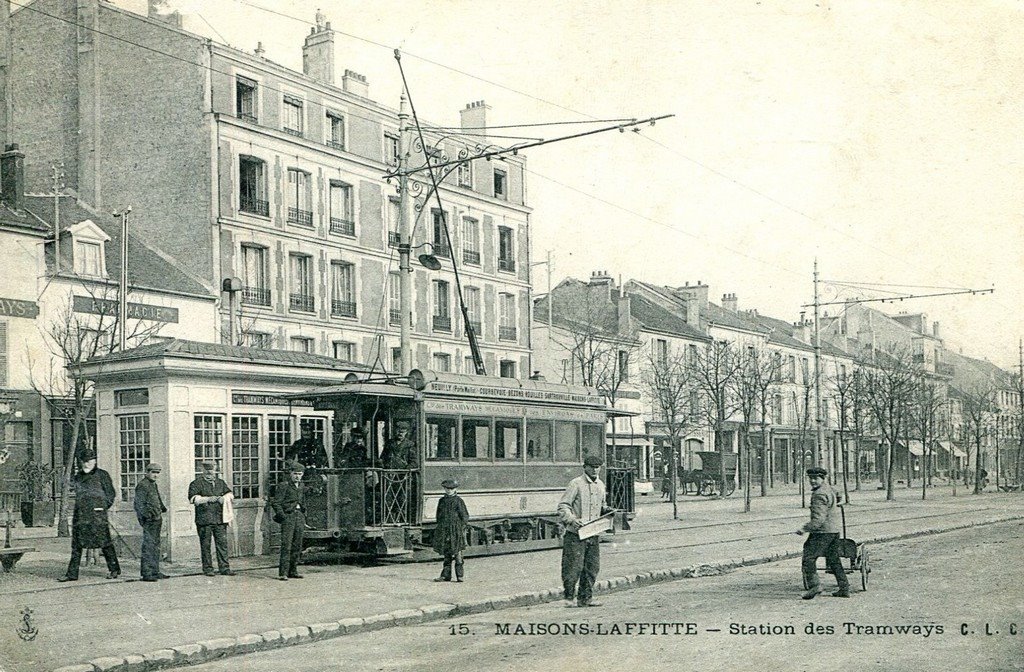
459, 629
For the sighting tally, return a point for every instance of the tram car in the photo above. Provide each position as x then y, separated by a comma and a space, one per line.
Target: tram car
512, 445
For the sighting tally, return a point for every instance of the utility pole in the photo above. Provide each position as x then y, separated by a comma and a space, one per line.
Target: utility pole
404, 237
820, 437
122, 285
58, 185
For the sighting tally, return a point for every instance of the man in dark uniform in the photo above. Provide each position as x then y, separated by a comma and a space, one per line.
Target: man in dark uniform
308, 450
94, 494
207, 494
400, 450
823, 537
353, 454
149, 509
289, 507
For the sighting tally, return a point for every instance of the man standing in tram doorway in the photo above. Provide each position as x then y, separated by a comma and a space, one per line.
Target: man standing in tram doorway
94, 494
582, 502
400, 451
823, 537
308, 450
208, 494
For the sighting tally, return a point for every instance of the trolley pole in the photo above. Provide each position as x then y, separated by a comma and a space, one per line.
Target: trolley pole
404, 238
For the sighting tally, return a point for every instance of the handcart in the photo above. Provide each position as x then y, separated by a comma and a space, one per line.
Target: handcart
857, 554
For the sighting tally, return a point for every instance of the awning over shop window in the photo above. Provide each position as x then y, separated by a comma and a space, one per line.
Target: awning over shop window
915, 447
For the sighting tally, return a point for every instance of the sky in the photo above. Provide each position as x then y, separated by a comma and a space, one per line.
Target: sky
884, 139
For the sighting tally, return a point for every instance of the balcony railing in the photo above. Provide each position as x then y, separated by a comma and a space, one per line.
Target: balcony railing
395, 316
393, 238
337, 144
344, 227
254, 205
301, 302
471, 257
441, 250
506, 265
442, 323
302, 217
506, 333
343, 308
248, 116
256, 296
297, 132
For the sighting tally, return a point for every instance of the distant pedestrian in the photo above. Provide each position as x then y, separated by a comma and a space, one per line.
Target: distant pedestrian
823, 537
149, 509
94, 494
582, 502
289, 504
212, 497
450, 532
666, 483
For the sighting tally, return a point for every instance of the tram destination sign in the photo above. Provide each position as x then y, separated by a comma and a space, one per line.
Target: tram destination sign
136, 311
513, 393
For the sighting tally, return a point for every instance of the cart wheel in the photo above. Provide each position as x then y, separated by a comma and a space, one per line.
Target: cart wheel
730, 487
865, 567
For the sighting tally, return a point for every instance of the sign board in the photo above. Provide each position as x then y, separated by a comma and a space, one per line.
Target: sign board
266, 399
18, 308
136, 311
512, 393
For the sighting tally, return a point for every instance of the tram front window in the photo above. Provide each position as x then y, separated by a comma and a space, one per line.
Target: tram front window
441, 438
506, 439
476, 438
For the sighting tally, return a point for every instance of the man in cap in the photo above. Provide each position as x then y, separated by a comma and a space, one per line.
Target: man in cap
582, 502
149, 509
308, 449
400, 451
208, 494
94, 494
353, 454
289, 504
823, 537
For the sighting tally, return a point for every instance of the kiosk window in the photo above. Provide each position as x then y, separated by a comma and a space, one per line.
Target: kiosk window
592, 441
441, 438
538, 440
567, 442
476, 438
506, 440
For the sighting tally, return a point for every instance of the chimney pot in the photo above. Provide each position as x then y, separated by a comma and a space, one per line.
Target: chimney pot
318, 52
12, 177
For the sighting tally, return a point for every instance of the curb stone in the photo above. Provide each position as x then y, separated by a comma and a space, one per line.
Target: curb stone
188, 654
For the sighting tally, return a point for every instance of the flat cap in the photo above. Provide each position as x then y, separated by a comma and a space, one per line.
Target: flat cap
296, 468
210, 465
593, 461
817, 471
357, 431
449, 483
153, 466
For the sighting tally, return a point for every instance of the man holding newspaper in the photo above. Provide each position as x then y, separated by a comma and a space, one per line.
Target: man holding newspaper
582, 509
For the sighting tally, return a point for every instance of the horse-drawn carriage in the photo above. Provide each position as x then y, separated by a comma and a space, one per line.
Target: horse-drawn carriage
707, 480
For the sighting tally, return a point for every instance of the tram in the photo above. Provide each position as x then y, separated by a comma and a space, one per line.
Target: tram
513, 446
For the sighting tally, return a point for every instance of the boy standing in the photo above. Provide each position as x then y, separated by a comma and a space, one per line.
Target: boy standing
450, 533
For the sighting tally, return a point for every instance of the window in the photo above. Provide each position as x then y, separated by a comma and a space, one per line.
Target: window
442, 361
302, 344
292, 114
538, 440
138, 396
791, 369
440, 236
133, 435
777, 409
506, 317
245, 456
255, 287
343, 219
469, 365
394, 213
441, 437
507, 444
623, 364
567, 442
252, 186
299, 209
279, 437
442, 308
395, 299
470, 241
500, 184
507, 368
208, 441
506, 250
691, 355
593, 440
391, 149
476, 438
466, 174
805, 376
245, 99
87, 258
343, 289
257, 339
336, 130
345, 351
472, 296
301, 271
661, 351
396, 359
777, 366
842, 372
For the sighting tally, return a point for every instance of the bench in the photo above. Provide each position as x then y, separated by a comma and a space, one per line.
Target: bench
10, 556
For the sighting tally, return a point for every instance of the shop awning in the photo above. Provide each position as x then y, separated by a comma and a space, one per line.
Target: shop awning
915, 447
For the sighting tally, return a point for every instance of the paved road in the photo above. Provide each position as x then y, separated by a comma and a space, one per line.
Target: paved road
930, 586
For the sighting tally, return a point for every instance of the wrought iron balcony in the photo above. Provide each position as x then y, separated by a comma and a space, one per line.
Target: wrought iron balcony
301, 302
336, 144
256, 296
393, 238
343, 308
254, 205
248, 116
441, 249
506, 333
395, 316
301, 217
442, 323
297, 132
471, 257
507, 265
344, 227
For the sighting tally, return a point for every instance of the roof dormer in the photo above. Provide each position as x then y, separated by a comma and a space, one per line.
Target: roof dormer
89, 249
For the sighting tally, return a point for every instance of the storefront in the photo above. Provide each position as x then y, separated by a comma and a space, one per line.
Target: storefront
182, 402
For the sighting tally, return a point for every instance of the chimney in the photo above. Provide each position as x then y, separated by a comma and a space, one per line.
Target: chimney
729, 302
602, 279
474, 118
318, 51
355, 84
12, 177
625, 314
696, 301
935, 330
158, 10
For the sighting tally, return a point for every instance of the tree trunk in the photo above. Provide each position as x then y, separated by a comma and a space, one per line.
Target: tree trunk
890, 454
70, 451
747, 475
977, 466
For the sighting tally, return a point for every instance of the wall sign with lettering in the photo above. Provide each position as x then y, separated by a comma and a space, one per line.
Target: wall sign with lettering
19, 308
136, 311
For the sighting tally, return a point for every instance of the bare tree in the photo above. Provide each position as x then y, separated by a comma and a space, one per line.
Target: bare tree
842, 393
803, 419
977, 407
73, 338
928, 402
714, 369
668, 381
888, 386
752, 386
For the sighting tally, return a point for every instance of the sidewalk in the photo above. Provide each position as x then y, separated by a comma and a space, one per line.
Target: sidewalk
96, 619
